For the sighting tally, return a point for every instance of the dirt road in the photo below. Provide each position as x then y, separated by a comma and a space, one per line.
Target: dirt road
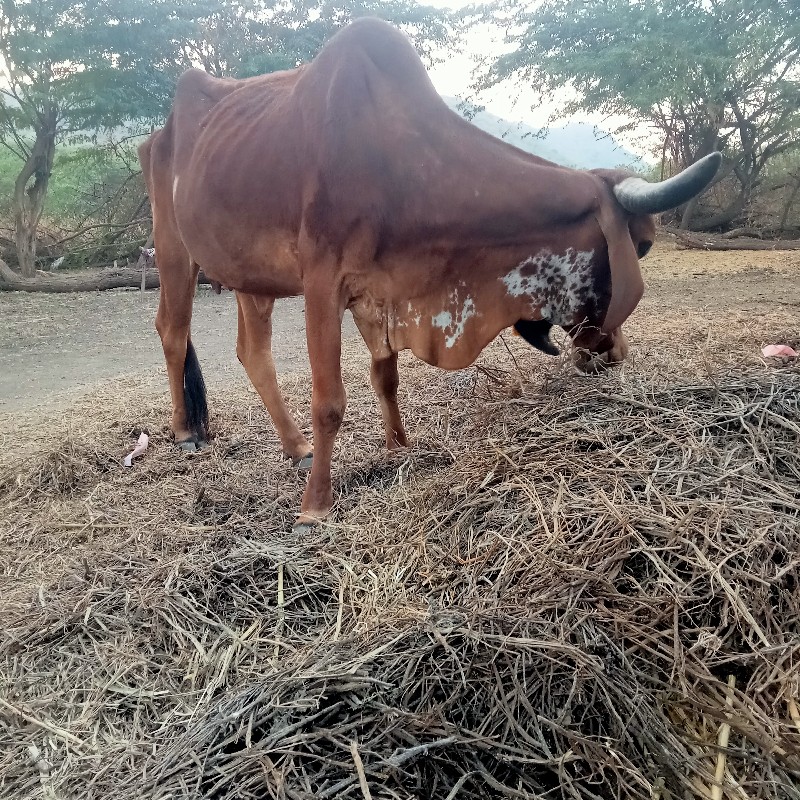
52, 346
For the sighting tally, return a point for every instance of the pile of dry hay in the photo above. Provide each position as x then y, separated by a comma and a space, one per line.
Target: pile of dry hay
567, 588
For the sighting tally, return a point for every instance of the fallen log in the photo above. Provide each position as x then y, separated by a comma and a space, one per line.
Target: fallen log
708, 241
87, 280
84, 281
742, 233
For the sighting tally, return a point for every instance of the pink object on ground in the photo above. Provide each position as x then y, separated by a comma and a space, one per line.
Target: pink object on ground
778, 350
141, 446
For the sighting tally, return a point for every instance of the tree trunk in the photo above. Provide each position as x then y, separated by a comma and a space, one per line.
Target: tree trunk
726, 216
707, 145
28, 200
688, 213
25, 242
788, 206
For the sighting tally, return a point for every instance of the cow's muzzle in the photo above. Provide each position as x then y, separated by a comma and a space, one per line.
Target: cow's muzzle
593, 352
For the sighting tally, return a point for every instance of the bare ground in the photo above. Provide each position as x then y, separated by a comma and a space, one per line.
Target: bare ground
55, 347
52, 346
617, 553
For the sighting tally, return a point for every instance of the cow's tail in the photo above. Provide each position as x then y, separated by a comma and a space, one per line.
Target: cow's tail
194, 395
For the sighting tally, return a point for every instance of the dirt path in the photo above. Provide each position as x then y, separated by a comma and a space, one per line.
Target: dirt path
52, 346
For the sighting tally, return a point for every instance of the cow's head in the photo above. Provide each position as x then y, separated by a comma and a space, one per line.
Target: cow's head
624, 213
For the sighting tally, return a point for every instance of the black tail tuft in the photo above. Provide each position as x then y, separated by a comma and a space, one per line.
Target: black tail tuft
194, 394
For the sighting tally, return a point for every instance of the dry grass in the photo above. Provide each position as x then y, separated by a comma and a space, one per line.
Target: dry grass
579, 588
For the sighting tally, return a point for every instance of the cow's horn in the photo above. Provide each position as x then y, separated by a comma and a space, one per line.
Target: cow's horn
641, 197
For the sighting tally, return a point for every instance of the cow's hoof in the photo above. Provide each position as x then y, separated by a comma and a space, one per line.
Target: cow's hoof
304, 527
192, 445
309, 520
303, 464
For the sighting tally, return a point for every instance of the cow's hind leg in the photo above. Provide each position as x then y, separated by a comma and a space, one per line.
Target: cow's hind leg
178, 279
189, 407
385, 380
254, 349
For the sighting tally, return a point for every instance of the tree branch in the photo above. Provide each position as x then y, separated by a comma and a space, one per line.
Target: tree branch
118, 225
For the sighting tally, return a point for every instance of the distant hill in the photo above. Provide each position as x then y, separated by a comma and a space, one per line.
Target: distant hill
576, 144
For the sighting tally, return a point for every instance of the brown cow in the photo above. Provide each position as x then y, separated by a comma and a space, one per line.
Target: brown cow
349, 181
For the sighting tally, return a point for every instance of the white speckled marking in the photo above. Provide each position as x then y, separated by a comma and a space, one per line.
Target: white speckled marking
417, 318
558, 285
453, 323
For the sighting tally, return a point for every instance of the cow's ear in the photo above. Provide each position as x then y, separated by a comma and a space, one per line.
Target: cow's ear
627, 285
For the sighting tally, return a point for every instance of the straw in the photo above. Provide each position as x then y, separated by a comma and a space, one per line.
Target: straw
543, 597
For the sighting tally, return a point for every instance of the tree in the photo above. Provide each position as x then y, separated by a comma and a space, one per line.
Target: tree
707, 74
70, 67
254, 37
74, 68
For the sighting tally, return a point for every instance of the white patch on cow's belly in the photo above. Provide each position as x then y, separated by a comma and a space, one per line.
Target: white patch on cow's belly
558, 285
454, 322
175, 188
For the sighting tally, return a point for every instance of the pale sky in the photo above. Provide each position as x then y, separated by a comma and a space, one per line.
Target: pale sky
512, 101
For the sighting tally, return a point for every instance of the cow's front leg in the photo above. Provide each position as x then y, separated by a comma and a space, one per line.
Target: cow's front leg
385, 380
328, 398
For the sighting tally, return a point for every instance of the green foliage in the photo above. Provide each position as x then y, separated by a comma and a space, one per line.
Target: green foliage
85, 60
310, 24
74, 72
85, 181
629, 55
71, 66
84, 178
709, 74
243, 39
9, 167
91, 185
101, 65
